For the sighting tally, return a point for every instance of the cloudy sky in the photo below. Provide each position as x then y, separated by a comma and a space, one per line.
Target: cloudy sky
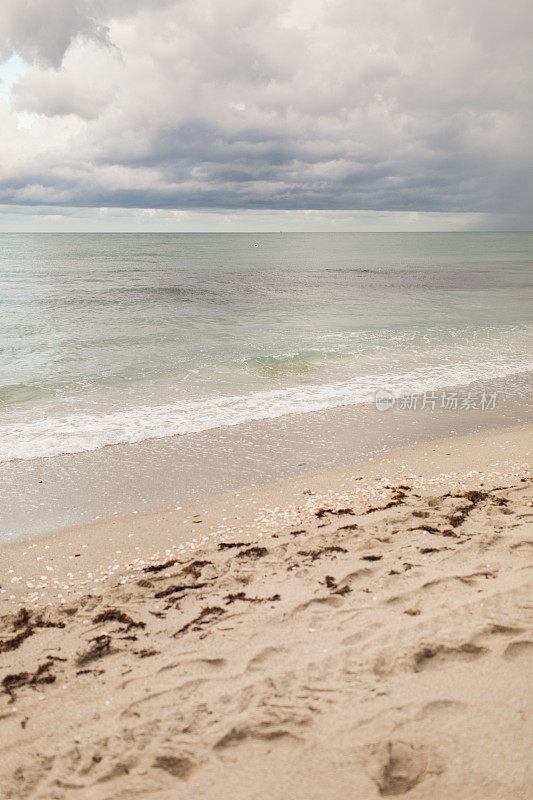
262, 114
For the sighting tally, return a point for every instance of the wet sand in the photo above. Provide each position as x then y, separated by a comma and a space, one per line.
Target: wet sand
47, 494
363, 632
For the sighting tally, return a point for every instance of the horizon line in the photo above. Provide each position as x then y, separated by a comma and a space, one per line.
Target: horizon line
251, 233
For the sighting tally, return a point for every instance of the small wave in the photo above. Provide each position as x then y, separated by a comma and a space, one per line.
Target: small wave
81, 432
354, 270
286, 363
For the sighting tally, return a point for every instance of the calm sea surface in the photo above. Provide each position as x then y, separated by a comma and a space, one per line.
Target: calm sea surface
110, 338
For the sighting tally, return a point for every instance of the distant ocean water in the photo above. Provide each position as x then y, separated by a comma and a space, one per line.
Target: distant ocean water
111, 338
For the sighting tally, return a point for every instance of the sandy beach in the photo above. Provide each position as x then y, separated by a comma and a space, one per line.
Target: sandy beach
357, 633
266, 384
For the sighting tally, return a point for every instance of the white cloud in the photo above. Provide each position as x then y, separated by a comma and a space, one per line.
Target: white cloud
58, 218
328, 104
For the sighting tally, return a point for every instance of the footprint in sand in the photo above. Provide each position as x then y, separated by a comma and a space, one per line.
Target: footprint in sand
177, 766
439, 655
398, 767
435, 707
519, 648
264, 655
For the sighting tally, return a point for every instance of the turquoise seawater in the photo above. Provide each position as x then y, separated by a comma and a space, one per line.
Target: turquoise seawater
109, 338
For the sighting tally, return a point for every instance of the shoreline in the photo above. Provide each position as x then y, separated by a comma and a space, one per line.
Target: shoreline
46, 495
69, 562
360, 630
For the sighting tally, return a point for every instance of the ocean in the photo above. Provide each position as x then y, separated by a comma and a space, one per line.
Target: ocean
119, 338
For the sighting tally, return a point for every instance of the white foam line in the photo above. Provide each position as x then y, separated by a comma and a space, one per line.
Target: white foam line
81, 432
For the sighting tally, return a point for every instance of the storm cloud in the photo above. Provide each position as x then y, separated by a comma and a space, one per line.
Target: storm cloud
305, 104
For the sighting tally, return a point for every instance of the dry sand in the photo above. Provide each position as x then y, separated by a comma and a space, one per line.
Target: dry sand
352, 634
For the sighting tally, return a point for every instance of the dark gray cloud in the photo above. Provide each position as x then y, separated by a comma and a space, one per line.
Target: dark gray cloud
321, 104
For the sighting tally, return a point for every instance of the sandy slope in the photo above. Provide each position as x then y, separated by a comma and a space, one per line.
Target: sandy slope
348, 636
370, 654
